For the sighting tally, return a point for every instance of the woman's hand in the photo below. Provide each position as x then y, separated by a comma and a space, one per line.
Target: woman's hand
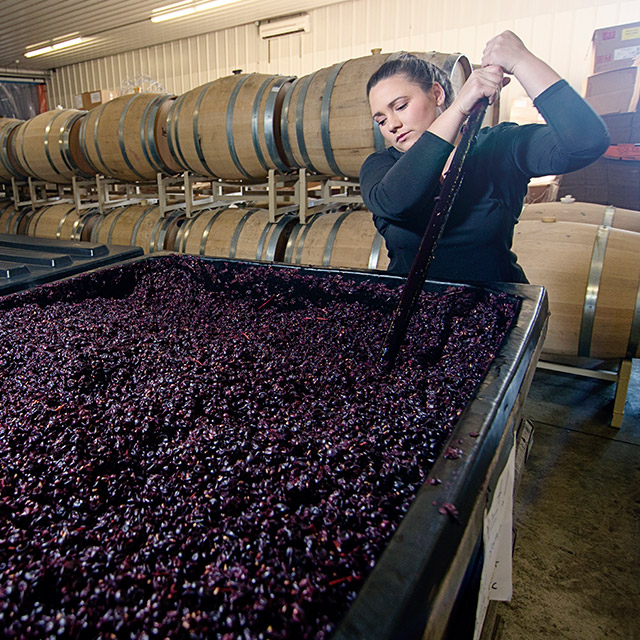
482, 83
505, 50
508, 52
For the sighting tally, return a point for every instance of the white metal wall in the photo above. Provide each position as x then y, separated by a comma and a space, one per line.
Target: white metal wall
558, 31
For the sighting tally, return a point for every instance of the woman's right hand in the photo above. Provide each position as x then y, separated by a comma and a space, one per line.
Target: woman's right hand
482, 83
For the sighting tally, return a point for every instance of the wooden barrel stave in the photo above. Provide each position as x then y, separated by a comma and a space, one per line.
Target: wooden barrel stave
345, 239
229, 128
60, 221
326, 122
9, 165
585, 212
592, 276
231, 232
125, 138
47, 146
135, 225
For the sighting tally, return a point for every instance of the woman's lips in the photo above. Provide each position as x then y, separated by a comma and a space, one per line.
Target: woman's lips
402, 137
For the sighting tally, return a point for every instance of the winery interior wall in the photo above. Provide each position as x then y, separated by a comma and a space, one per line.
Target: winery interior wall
559, 32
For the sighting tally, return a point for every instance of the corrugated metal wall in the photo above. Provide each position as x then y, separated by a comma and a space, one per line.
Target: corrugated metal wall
559, 32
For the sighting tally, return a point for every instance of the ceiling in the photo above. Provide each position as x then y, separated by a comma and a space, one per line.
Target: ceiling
115, 26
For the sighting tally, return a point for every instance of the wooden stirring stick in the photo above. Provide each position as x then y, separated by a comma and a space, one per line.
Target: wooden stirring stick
418, 274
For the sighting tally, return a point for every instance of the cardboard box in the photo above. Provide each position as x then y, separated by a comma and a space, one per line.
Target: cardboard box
91, 99
614, 91
615, 47
523, 112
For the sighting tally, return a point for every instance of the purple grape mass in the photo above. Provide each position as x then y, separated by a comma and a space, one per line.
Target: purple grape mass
190, 450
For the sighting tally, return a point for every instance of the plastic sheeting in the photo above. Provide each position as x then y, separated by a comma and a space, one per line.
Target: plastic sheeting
22, 100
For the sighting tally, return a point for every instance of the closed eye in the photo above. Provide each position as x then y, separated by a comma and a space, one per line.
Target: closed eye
402, 106
380, 122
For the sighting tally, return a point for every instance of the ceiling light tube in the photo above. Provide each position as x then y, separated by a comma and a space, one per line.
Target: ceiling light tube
161, 17
188, 11
53, 47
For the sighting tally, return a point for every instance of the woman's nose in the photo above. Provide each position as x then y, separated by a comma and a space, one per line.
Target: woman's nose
393, 123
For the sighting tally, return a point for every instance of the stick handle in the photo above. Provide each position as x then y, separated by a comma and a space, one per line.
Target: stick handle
418, 273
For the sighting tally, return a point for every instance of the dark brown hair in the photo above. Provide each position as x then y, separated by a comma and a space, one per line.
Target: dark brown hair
417, 71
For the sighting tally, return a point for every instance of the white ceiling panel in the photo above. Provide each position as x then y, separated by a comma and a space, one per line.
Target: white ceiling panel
115, 26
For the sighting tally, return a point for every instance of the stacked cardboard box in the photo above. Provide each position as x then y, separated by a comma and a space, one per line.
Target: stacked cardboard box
90, 99
610, 180
614, 83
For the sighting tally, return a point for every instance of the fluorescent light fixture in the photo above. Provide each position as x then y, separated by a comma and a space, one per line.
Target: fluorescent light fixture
186, 11
53, 47
284, 26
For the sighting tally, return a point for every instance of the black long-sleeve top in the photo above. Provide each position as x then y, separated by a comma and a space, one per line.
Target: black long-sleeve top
400, 188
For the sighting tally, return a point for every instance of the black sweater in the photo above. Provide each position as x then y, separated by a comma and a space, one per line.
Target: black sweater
400, 188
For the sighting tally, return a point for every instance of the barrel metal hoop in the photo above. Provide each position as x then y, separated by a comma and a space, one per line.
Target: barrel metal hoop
138, 224
36, 219
303, 237
103, 168
374, 256
173, 136
331, 239
114, 221
23, 157
196, 134
634, 335
148, 127
238, 230
284, 125
593, 288
230, 109
156, 234
255, 118
62, 221
270, 123
4, 154
63, 143
304, 87
325, 131
609, 214
291, 243
123, 149
183, 234
83, 142
47, 152
263, 238
207, 230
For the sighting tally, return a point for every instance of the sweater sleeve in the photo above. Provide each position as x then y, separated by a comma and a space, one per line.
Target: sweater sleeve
573, 137
392, 187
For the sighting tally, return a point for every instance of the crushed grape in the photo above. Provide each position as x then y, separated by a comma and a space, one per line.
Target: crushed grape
191, 450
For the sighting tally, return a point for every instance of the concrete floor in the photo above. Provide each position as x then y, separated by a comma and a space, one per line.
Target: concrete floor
577, 517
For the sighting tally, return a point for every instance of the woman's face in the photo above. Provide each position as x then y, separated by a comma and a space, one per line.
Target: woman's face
404, 110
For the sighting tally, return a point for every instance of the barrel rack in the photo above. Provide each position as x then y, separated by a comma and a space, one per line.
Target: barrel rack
299, 192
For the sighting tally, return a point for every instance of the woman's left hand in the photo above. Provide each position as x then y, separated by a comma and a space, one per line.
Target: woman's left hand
505, 50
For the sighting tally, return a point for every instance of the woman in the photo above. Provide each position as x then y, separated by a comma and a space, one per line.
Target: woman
410, 100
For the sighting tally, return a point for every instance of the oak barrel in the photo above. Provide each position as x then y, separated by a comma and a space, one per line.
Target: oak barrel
326, 121
586, 212
125, 138
231, 232
8, 212
135, 225
61, 221
47, 146
592, 276
338, 239
9, 165
230, 128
